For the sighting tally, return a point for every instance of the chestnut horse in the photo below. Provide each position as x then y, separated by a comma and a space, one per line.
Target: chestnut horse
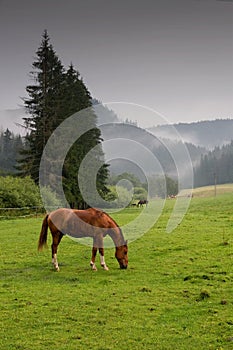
84, 223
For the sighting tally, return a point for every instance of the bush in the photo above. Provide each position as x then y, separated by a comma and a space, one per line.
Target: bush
50, 198
118, 197
18, 192
139, 193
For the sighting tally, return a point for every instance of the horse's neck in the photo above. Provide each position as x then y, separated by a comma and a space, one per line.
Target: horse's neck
117, 236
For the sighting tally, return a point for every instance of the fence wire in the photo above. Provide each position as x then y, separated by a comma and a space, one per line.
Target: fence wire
23, 212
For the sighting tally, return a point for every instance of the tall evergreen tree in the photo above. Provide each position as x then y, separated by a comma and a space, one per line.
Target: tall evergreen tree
55, 95
42, 105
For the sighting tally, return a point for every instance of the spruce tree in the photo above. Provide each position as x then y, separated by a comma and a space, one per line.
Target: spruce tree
42, 105
55, 95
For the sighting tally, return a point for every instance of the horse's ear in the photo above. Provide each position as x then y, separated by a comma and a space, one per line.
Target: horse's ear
126, 242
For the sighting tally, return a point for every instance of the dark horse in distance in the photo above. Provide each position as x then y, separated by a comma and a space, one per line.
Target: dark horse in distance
84, 223
141, 202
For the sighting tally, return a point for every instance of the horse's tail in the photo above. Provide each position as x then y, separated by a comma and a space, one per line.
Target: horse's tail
43, 233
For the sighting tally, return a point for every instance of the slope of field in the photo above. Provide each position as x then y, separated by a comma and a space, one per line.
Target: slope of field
175, 294
209, 191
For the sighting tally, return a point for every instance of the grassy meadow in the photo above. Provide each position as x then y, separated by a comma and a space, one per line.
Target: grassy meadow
175, 294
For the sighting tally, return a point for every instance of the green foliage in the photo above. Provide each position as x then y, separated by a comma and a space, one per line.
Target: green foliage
162, 186
118, 197
50, 198
129, 188
114, 179
140, 193
175, 294
18, 192
159, 186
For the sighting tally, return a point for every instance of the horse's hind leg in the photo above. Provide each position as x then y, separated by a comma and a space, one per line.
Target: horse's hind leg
57, 236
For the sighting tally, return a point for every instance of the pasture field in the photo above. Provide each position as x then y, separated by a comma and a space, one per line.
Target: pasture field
177, 292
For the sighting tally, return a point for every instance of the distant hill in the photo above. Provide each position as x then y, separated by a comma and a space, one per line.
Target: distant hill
208, 133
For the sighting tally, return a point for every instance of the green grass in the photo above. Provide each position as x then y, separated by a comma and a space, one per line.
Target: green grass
176, 293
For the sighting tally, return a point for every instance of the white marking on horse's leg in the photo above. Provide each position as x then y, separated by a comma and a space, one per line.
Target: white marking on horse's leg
93, 266
102, 263
55, 262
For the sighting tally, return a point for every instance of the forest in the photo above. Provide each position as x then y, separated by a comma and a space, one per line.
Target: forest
216, 166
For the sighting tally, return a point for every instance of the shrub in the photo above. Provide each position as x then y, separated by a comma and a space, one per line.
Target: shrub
118, 197
18, 192
50, 198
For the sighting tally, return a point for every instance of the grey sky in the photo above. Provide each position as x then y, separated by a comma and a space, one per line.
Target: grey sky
174, 56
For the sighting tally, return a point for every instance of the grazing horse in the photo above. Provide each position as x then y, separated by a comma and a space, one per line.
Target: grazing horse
84, 223
141, 202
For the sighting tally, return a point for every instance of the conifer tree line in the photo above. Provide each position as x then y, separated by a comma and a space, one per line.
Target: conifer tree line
215, 167
54, 95
10, 146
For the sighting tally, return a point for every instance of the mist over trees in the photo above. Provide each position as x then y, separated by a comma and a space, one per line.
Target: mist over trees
206, 133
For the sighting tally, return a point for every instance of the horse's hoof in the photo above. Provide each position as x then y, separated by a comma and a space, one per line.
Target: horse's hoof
105, 267
93, 267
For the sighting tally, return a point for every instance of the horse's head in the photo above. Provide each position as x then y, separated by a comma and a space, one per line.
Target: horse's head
122, 255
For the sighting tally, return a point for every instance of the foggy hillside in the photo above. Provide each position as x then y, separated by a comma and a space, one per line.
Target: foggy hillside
208, 133
131, 141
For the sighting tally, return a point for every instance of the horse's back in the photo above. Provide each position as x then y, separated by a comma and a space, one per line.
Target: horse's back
80, 222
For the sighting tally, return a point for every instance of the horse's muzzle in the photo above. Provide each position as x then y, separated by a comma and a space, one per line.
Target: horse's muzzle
123, 267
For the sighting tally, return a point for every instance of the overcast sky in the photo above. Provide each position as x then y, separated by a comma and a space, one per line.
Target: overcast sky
174, 56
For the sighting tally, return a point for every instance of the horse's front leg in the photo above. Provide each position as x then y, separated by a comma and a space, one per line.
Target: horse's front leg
102, 261
98, 243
